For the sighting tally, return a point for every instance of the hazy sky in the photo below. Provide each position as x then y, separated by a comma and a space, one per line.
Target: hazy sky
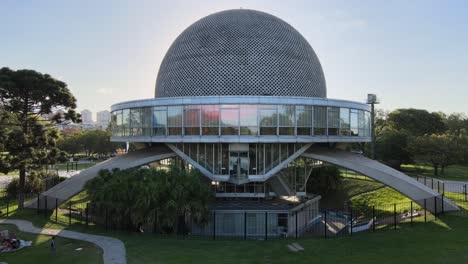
410, 53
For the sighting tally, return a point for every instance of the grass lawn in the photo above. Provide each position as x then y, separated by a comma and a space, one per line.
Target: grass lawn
39, 252
10, 173
442, 241
380, 197
349, 188
452, 172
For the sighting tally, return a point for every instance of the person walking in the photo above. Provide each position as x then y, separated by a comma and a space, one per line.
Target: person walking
52, 246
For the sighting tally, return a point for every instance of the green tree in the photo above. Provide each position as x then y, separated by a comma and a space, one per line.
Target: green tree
438, 150
391, 146
71, 144
323, 180
416, 121
97, 142
31, 98
147, 195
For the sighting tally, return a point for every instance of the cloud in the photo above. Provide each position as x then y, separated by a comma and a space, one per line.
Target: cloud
104, 91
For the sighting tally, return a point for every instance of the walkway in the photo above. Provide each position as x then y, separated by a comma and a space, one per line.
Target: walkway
114, 249
397, 180
73, 185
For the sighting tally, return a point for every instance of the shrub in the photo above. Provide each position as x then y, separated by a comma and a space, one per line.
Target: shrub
144, 196
34, 183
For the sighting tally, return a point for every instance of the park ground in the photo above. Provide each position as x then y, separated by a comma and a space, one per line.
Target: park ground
444, 240
441, 241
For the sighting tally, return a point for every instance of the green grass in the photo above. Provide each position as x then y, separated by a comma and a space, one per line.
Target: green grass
349, 188
442, 241
10, 173
452, 172
383, 197
39, 252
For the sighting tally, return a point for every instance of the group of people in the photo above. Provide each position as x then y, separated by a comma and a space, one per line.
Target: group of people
8, 241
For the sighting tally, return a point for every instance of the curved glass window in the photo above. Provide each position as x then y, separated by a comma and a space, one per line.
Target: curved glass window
210, 119
192, 120
174, 120
240, 120
320, 120
344, 122
229, 120
286, 116
304, 115
248, 120
333, 121
159, 121
267, 114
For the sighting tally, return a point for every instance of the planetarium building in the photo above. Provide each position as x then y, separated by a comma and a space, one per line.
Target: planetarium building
241, 97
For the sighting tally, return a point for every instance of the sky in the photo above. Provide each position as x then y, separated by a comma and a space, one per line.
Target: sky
409, 53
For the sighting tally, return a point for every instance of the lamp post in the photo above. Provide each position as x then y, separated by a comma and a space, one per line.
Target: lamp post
372, 100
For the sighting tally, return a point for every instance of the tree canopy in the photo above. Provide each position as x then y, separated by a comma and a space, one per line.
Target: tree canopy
149, 195
32, 101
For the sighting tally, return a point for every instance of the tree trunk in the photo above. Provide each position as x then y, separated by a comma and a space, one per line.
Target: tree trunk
442, 170
22, 180
436, 169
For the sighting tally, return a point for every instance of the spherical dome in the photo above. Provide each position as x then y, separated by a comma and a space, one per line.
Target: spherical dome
240, 52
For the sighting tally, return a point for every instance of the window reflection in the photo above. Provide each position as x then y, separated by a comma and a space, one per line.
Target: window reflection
244, 120
229, 120
248, 120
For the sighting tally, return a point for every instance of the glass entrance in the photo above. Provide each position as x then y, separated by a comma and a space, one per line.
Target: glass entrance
238, 164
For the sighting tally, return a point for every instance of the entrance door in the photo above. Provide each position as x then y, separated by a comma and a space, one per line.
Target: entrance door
239, 164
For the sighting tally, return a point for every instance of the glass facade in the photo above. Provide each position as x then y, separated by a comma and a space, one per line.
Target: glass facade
238, 160
240, 120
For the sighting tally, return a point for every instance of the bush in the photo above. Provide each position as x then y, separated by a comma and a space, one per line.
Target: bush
34, 183
144, 196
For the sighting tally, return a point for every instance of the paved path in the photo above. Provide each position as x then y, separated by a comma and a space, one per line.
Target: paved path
114, 249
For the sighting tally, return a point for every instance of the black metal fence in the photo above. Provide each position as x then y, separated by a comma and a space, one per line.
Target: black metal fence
250, 224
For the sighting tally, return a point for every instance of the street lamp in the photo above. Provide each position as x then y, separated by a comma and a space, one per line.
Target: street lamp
372, 100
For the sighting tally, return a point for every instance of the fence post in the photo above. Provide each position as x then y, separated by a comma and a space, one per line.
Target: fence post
107, 211
154, 221
435, 206
45, 206
37, 207
373, 219
245, 225
425, 216
296, 226
465, 192
214, 225
351, 215
69, 211
442, 203
266, 225
325, 226
432, 183
411, 213
394, 216
87, 213
56, 209
425, 180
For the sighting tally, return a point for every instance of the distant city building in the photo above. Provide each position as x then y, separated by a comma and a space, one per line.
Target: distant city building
103, 119
86, 117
